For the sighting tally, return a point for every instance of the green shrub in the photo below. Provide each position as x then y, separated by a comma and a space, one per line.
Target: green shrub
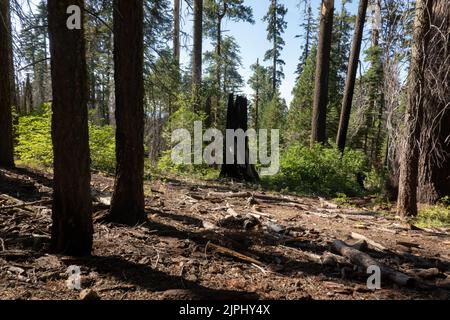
183, 118
433, 217
318, 170
103, 148
34, 142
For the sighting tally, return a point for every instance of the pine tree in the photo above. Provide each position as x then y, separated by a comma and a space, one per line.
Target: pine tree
409, 164
261, 85
351, 76
197, 53
6, 138
309, 28
72, 227
215, 12
276, 26
127, 205
34, 47
298, 127
176, 30
319, 118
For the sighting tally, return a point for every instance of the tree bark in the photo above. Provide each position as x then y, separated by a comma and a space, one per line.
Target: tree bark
318, 132
176, 30
197, 54
6, 136
72, 205
127, 205
351, 76
407, 198
434, 162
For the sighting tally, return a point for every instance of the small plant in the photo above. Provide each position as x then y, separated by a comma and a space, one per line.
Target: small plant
444, 202
437, 216
342, 199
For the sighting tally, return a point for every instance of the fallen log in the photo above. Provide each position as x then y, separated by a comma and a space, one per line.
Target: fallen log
364, 260
233, 254
372, 243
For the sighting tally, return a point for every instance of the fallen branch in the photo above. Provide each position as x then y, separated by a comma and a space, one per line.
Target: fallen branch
366, 261
233, 254
374, 244
26, 204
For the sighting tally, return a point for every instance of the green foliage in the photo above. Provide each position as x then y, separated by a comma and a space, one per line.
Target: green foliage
34, 142
261, 86
320, 170
433, 217
298, 127
103, 148
341, 199
273, 115
444, 202
183, 118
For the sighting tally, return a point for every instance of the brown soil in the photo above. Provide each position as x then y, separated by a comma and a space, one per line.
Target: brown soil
181, 252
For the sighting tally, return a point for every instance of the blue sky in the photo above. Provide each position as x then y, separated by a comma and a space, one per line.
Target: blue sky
253, 43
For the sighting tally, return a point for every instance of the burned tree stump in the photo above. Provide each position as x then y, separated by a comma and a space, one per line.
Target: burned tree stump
237, 118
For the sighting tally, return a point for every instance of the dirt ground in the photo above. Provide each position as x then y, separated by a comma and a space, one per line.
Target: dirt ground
214, 240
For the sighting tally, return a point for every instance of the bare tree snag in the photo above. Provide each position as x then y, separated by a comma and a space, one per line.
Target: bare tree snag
237, 118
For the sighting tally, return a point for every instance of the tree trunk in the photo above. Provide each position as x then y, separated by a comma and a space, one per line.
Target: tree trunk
72, 205
197, 54
318, 132
6, 136
237, 118
127, 205
176, 30
274, 66
28, 96
407, 198
351, 76
434, 162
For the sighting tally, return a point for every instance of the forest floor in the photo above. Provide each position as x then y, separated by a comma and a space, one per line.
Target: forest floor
215, 240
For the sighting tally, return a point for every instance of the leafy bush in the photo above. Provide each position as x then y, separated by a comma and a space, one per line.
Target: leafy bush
183, 118
34, 142
103, 148
433, 217
318, 170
